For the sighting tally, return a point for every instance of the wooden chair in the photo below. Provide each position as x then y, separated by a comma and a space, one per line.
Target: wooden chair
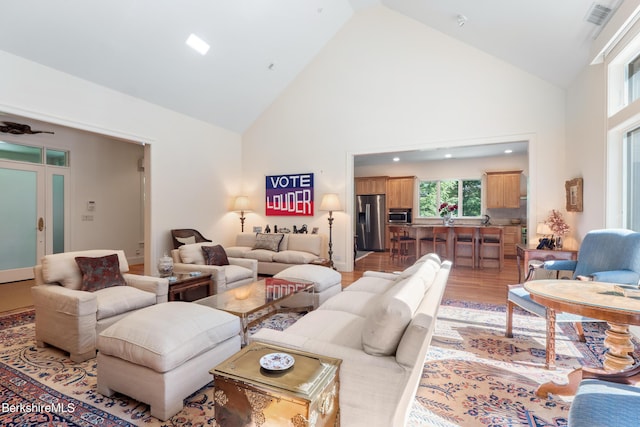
491, 237
183, 236
439, 237
464, 245
402, 244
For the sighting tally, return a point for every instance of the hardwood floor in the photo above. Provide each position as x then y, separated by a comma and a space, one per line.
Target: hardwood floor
488, 285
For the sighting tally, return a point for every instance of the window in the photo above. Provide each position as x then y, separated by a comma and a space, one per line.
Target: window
632, 178
57, 157
29, 154
466, 193
20, 153
623, 134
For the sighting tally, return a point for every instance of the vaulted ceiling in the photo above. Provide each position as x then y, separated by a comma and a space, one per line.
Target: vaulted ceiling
259, 46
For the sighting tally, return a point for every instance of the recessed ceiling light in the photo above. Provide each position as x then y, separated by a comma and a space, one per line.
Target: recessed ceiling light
508, 151
197, 44
447, 156
396, 159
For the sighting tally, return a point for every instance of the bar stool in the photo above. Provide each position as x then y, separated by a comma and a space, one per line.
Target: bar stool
402, 245
491, 237
439, 236
464, 245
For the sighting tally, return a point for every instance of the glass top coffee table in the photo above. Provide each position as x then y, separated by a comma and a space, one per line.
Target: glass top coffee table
266, 296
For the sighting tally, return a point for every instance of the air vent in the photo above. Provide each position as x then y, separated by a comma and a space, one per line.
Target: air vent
598, 14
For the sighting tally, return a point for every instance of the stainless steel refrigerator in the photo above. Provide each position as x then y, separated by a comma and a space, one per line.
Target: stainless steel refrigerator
370, 222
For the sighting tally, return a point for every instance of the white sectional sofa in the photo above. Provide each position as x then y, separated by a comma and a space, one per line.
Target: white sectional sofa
277, 251
381, 327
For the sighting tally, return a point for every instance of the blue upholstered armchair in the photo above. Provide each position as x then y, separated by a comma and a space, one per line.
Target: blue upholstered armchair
610, 255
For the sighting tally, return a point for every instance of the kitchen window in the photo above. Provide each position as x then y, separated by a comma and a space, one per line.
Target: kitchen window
466, 193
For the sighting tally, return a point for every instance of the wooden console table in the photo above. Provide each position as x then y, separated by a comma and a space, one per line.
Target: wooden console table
184, 282
530, 253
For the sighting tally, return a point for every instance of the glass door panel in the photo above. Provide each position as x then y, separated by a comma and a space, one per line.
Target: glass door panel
22, 225
57, 227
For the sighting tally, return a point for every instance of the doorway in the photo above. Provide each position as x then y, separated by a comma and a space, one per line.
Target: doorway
34, 216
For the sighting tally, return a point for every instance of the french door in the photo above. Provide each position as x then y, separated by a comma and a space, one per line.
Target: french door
33, 216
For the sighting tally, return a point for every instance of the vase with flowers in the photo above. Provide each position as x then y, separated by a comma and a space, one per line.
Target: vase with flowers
558, 227
446, 210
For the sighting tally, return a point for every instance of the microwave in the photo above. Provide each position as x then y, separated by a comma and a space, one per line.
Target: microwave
399, 216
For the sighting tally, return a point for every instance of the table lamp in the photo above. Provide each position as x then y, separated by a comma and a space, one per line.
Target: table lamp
543, 229
330, 202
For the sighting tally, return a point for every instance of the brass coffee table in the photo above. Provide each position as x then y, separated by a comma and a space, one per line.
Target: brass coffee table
305, 392
266, 294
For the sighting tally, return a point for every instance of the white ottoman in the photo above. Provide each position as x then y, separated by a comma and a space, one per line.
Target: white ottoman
328, 282
162, 354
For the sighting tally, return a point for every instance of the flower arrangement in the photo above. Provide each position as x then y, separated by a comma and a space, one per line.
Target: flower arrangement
556, 223
446, 208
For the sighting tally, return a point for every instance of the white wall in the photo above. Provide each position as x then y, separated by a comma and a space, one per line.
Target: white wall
194, 168
385, 83
586, 146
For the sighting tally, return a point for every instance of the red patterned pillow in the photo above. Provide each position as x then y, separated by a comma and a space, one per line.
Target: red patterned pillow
215, 255
99, 273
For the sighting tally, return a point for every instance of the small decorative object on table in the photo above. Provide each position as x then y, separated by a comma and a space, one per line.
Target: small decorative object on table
277, 361
165, 266
558, 227
446, 210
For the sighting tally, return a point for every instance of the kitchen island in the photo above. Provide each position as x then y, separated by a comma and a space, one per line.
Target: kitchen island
421, 231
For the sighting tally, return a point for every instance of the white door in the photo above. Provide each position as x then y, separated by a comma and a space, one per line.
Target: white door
33, 219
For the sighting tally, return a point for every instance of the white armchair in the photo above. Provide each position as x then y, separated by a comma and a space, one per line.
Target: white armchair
70, 318
238, 272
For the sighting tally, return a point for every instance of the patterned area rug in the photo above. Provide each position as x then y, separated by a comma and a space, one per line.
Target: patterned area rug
473, 376
41, 386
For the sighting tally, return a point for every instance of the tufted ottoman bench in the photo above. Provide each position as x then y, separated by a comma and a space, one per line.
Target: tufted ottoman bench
328, 282
162, 354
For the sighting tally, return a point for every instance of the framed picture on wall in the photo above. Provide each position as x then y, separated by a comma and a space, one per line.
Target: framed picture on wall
573, 189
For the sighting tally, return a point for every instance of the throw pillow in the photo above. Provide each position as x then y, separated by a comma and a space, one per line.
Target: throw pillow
215, 255
186, 240
268, 241
100, 272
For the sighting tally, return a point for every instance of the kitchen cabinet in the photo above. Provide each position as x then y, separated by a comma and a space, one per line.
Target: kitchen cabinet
400, 192
512, 235
503, 189
371, 185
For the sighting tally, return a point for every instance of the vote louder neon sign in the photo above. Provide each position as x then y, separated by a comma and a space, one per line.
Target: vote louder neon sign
289, 195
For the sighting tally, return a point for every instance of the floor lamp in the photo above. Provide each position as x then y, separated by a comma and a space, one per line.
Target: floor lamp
241, 205
331, 203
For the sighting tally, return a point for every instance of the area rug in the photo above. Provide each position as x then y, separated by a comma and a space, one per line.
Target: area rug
473, 376
362, 254
41, 386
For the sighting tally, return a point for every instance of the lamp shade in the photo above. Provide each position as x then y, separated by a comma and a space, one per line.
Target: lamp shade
241, 204
330, 202
543, 229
